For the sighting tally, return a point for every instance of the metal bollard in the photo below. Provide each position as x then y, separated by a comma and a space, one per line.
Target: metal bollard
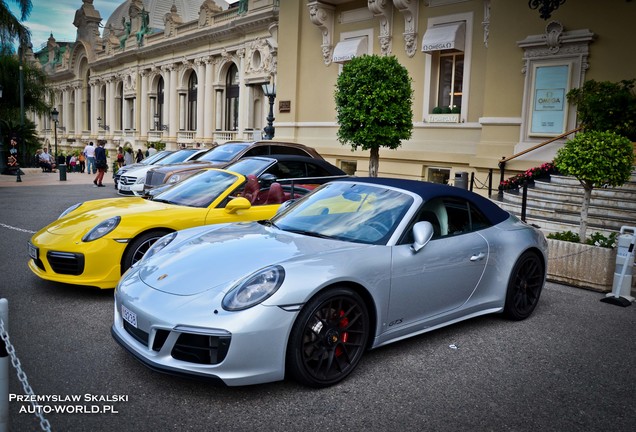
62, 170
4, 369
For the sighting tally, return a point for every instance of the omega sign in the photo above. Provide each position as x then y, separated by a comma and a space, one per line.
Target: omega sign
549, 99
438, 46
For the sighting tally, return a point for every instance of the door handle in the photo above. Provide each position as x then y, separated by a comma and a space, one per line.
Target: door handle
480, 256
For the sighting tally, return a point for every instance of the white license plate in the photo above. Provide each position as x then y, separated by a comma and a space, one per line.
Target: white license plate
124, 187
129, 316
33, 251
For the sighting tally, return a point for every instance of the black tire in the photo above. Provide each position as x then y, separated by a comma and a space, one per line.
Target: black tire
328, 338
524, 287
138, 248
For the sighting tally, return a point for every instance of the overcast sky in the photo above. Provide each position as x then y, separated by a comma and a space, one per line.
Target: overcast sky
56, 16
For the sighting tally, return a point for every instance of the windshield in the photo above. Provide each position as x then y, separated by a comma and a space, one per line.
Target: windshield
155, 157
250, 166
224, 152
178, 156
361, 213
199, 190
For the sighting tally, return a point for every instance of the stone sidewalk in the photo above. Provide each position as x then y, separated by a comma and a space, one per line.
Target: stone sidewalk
35, 177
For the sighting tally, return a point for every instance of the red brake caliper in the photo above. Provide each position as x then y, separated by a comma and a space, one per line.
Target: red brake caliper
344, 336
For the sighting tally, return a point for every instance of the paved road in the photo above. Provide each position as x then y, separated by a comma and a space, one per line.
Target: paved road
570, 367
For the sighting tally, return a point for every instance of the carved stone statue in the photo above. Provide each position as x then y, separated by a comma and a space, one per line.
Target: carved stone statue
207, 10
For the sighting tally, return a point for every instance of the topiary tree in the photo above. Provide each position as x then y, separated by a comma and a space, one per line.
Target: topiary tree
595, 158
373, 101
605, 105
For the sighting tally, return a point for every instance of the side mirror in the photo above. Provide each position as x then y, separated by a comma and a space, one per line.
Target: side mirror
267, 179
237, 204
422, 234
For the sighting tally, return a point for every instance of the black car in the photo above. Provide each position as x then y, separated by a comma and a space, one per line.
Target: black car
286, 169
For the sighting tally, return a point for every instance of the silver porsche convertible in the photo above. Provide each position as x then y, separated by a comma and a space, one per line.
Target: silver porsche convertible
355, 265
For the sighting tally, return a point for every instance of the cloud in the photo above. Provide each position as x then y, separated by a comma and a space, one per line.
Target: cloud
56, 17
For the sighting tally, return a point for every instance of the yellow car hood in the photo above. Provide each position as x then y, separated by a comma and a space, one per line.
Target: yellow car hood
90, 213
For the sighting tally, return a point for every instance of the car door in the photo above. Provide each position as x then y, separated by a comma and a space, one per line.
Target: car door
444, 274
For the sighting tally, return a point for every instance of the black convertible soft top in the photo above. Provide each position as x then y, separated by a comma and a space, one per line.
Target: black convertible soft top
428, 191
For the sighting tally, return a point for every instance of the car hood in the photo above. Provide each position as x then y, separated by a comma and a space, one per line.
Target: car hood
90, 213
218, 257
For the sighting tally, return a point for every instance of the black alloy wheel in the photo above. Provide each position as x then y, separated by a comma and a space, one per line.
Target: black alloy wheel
524, 288
138, 248
328, 338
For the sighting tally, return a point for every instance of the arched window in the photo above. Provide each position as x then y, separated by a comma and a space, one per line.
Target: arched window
232, 99
192, 102
159, 108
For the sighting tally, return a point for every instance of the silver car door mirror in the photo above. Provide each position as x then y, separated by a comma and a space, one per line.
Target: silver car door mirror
422, 234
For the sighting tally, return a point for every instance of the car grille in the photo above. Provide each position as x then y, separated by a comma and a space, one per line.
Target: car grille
142, 337
193, 348
154, 178
202, 349
125, 180
66, 262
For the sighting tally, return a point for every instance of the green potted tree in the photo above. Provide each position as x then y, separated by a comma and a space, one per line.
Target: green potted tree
595, 158
373, 103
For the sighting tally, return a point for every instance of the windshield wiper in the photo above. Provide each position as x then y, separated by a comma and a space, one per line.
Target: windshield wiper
268, 222
163, 201
309, 233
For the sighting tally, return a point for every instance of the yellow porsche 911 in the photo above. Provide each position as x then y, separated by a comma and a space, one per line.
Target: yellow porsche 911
95, 242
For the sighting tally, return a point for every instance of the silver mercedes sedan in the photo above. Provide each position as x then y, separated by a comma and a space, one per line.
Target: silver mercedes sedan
355, 265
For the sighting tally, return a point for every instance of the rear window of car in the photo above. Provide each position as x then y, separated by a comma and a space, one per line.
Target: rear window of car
224, 152
178, 156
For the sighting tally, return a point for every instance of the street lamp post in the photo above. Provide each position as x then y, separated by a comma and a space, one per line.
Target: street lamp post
269, 90
55, 115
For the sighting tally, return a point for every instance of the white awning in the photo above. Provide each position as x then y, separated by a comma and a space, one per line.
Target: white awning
348, 49
444, 37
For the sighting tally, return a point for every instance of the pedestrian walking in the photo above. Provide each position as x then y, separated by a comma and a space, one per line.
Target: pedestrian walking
139, 156
151, 150
120, 157
101, 163
89, 152
82, 162
129, 157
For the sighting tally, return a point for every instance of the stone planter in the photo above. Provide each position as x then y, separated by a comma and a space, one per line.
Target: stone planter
581, 265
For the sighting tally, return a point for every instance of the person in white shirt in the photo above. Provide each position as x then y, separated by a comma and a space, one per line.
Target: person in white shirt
46, 160
89, 152
151, 150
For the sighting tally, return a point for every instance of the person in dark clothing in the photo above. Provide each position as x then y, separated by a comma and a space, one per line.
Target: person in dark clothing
101, 164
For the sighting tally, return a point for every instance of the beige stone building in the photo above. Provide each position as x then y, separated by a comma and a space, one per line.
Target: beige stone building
189, 72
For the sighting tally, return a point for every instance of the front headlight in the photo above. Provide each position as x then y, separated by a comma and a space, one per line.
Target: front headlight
140, 180
102, 229
158, 245
174, 178
255, 289
68, 210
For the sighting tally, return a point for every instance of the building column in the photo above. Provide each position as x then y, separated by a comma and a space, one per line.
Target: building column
200, 63
94, 92
173, 121
64, 112
109, 115
208, 101
219, 108
143, 111
79, 124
